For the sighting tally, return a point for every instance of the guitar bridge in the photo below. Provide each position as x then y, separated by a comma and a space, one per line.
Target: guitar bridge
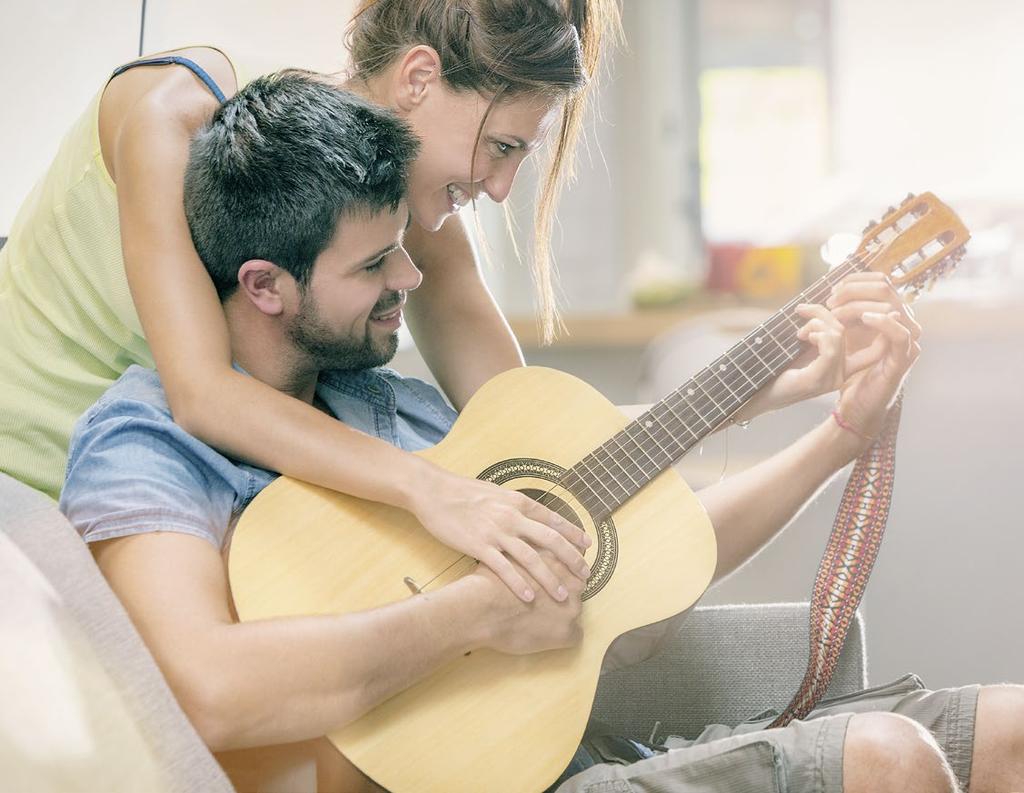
413, 586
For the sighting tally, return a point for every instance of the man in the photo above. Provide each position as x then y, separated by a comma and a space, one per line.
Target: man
315, 317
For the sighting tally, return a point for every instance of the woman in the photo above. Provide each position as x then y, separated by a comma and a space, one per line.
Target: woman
100, 271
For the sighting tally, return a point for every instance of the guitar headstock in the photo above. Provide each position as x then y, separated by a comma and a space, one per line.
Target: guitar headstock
914, 243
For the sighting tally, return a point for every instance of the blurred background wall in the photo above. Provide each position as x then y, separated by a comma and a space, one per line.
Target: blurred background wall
735, 143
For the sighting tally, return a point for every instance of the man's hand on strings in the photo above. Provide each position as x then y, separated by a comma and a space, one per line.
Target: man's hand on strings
882, 341
820, 369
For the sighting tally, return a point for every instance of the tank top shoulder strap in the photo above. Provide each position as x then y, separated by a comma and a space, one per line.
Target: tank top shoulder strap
163, 60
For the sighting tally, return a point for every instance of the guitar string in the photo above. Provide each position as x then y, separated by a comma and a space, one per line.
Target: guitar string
712, 394
852, 263
645, 428
857, 260
658, 430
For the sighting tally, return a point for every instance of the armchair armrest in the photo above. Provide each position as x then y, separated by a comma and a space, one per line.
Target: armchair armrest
122, 702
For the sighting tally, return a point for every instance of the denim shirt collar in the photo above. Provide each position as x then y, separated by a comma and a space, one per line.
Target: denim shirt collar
369, 385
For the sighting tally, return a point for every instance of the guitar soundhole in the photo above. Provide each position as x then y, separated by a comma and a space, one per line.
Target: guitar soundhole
555, 504
606, 546
527, 473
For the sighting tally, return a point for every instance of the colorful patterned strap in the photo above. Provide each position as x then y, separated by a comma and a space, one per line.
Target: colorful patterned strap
846, 565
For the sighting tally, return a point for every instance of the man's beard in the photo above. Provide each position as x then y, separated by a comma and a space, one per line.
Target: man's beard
328, 349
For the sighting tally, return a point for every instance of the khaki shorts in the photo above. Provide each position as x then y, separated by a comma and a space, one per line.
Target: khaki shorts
803, 757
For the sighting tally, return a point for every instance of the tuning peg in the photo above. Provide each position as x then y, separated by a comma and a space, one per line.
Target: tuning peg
907, 200
890, 211
871, 224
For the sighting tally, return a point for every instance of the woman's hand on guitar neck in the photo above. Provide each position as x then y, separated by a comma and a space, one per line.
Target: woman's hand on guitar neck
497, 526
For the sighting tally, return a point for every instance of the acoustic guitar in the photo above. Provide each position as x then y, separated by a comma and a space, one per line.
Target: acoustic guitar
301, 549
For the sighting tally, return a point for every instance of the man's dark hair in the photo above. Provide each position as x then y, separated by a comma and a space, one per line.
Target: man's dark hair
277, 166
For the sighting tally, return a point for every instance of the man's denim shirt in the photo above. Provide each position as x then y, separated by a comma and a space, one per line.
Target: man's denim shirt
132, 470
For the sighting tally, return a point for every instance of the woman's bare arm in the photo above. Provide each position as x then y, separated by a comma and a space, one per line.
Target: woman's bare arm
184, 324
459, 330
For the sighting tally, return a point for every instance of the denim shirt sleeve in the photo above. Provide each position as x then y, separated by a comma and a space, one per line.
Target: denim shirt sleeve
132, 470
424, 416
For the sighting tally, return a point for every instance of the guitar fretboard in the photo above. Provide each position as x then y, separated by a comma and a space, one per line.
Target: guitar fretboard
615, 471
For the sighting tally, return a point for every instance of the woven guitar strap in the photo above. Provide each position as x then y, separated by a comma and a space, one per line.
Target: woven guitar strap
846, 565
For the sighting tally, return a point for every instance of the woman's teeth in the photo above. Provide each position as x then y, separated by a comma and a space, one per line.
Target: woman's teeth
459, 197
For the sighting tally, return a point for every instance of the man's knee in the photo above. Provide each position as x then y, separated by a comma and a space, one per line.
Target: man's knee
998, 762
888, 752
1002, 707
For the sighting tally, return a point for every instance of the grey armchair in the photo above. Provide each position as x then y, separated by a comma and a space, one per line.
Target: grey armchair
726, 664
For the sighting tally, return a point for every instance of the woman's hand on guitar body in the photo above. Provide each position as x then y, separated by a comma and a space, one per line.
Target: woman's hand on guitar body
497, 527
882, 345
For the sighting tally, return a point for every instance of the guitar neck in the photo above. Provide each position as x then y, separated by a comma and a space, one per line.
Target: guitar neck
615, 471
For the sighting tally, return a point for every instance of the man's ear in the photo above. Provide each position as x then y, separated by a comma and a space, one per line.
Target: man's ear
418, 73
265, 285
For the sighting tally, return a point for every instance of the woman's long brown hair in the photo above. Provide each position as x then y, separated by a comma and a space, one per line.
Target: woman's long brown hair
503, 49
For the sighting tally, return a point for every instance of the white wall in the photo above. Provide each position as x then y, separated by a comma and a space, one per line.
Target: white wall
636, 191
53, 59
54, 56
928, 95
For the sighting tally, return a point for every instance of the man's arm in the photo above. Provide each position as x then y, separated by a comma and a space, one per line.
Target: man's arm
748, 509
289, 679
153, 502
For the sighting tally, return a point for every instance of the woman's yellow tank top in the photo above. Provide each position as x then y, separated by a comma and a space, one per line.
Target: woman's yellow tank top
68, 327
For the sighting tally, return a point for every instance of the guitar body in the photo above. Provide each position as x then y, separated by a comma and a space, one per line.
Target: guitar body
487, 721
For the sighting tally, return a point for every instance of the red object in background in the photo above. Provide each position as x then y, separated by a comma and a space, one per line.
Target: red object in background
724, 261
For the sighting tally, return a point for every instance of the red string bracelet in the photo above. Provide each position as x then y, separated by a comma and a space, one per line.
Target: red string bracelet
848, 426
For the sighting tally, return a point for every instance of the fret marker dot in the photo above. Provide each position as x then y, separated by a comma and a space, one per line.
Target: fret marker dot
690, 392
648, 423
722, 367
758, 340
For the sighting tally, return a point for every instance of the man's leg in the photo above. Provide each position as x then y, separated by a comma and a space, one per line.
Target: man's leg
999, 740
858, 753
980, 729
884, 752
887, 725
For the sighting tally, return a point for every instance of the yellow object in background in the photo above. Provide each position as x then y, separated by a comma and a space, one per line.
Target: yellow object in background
769, 272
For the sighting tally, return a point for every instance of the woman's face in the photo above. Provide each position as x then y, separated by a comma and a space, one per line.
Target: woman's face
443, 179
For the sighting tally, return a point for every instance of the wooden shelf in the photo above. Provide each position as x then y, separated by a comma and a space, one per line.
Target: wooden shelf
943, 317
634, 328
